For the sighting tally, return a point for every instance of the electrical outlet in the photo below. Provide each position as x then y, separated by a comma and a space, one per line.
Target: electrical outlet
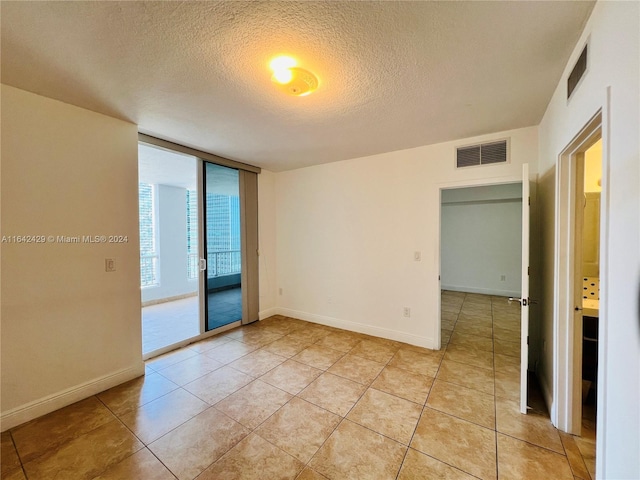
109, 264
280, 291
503, 278
329, 300
406, 312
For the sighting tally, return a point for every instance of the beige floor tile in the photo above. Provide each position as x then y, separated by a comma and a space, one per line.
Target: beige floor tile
154, 419
141, 465
445, 336
135, 393
521, 460
309, 474
462, 354
318, 356
333, 393
197, 443
254, 458
308, 334
253, 403
508, 384
254, 336
587, 448
343, 341
448, 316
483, 321
188, 370
507, 335
8, 455
230, 351
209, 343
450, 308
354, 452
468, 376
505, 363
403, 383
503, 347
287, 347
387, 414
163, 361
291, 376
218, 384
459, 443
257, 363
447, 324
418, 465
358, 369
465, 403
299, 428
469, 328
473, 341
48, 432
13, 474
85, 456
475, 310
374, 350
533, 428
574, 456
421, 363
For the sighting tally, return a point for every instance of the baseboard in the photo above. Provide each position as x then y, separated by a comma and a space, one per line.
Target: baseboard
269, 312
482, 291
409, 338
50, 403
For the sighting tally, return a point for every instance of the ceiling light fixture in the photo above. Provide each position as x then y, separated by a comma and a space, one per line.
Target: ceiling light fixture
292, 79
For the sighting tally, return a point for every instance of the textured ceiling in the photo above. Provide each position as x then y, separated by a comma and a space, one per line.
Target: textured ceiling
393, 75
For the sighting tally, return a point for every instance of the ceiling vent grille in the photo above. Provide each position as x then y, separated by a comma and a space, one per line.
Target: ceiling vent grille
484, 154
578, 72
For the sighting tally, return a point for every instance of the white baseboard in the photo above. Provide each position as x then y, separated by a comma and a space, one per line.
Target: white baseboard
50, 403
482, 291
409, 338
269, 312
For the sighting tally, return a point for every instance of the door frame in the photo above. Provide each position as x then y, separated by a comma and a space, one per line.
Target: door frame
567, 348
481, 182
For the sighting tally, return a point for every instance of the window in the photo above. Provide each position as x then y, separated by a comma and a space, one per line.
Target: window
148, 253
192, 234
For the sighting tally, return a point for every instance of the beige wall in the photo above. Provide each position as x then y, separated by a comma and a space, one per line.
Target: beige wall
614, 62
69, 329
347, 232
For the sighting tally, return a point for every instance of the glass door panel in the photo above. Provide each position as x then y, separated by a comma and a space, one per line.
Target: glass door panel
223, 279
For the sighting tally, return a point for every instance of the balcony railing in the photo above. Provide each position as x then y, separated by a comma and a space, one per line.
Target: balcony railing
219, 263
148, 270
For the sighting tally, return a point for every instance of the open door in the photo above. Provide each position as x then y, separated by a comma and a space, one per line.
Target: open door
524, 300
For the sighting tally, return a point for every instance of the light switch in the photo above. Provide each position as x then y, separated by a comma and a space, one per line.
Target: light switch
109, 264
417, 256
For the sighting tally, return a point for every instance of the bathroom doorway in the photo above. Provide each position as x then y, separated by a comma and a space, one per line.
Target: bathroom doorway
580, 270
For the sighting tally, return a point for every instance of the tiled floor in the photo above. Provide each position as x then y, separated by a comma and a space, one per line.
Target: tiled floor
287, 399
167, 323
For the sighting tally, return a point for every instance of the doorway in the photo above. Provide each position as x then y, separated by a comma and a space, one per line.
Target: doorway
579, 322
198, 244
485, 250
167, 195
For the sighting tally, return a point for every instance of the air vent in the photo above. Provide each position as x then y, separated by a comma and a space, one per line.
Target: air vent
577, 73
487, 153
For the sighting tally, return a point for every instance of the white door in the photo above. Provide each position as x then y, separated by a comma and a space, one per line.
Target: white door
524, 327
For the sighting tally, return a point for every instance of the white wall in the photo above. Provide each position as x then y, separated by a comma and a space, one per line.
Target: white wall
481, 237
172, 246
614, 62
347, 232
69, 329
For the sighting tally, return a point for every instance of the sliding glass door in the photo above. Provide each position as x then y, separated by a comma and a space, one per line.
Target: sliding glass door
223, 246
